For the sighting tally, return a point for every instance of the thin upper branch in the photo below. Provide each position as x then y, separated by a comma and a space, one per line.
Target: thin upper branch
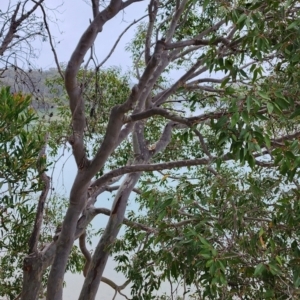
118, 40
95, 7
50, 40
152, 12
15, 23
174, 22
127, 222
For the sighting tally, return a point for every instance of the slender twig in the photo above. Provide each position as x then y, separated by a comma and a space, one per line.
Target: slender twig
50, 39
118, 40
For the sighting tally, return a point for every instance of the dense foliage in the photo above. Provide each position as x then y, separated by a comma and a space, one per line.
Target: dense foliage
205, 131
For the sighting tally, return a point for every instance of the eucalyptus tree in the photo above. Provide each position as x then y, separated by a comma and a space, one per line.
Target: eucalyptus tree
215, 103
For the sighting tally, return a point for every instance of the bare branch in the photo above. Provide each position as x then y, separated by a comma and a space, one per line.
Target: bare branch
14, 25
78, 193
149, 168
101, 253
157, 111
165, 138
115, 188
127, 222
118, 40
175, 19
202, 142
129, 2
117, 288
180, 82
152, 12
50, 39
33, 241
85, 252
95, 7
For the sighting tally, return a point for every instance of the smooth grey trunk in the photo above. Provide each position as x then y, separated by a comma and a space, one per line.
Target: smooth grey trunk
35, 264
32, 276
100, 257
66, 239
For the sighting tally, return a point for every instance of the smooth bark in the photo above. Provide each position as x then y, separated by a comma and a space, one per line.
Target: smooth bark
101, 254
32, 278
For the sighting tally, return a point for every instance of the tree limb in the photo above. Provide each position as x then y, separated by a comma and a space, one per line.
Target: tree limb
41, 164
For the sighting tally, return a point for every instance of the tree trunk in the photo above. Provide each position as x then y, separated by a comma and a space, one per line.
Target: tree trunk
66, 238
32, 276
93, 278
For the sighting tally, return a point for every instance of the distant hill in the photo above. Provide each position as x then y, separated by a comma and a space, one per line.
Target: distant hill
30, 82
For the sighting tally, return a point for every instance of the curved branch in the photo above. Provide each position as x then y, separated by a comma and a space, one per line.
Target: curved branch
157, 111
127, 222
116, 287
174, 22
115, 188
118, 40
85, 252
149, 168
176, 118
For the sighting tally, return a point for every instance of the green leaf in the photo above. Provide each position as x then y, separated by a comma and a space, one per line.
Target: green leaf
221, 122
296, 113
249, 103
264, 95
260, 268
242, 18
269, 294
224, 82
270, 107
205, 255
245, 116
282, 103
279, 260
235, 118
261, 232
205, 3
251, 161
274, 269
204, 242
267, 141
293, 25
209, 263
243, 73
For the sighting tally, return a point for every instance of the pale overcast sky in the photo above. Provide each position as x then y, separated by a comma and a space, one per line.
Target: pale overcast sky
70, 18
72, 22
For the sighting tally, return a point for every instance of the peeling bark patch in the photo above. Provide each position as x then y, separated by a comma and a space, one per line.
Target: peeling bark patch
117, 206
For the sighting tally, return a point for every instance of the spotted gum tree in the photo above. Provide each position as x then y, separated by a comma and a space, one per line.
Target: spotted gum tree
215, 96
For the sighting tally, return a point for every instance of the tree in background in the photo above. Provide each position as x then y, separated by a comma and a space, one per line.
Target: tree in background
207, 138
